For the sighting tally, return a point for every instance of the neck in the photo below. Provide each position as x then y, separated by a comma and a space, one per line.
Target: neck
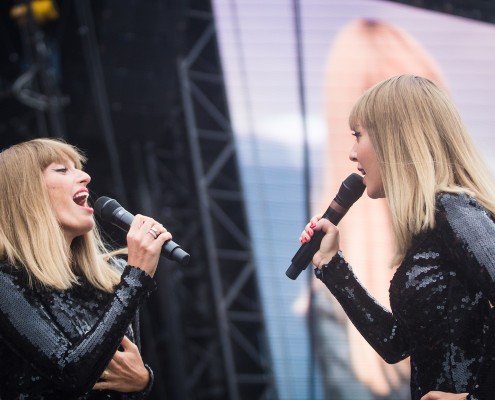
68, 243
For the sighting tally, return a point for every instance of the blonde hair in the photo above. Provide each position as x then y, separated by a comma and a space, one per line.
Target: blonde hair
364, 52
30, 236
423, 148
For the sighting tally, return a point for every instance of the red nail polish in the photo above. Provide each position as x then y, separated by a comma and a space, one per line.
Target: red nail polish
312, 225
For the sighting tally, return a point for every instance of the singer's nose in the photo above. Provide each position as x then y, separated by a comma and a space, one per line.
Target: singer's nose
353, 153
84, 177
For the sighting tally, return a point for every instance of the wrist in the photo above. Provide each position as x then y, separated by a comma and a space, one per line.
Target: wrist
326, 259
149, 383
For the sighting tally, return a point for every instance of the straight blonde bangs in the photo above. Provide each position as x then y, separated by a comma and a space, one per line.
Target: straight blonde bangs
422, 148
30, 236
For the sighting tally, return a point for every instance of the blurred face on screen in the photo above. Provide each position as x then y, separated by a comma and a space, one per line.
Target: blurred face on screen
364, 154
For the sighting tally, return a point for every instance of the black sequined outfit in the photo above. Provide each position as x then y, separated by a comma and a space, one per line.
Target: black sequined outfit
440, 296
55, 344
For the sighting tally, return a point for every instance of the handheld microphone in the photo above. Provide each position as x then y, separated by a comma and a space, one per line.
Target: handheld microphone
351, 189
109, 210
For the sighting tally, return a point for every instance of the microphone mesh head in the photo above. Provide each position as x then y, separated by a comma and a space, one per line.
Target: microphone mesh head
350, 191
104, 208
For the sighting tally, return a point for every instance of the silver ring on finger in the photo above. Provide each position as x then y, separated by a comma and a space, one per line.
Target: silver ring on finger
153, 233
155, 228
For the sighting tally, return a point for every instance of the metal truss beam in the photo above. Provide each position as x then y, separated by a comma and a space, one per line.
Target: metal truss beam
239, 336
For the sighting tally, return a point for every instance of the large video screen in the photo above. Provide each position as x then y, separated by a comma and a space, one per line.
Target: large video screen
286, 98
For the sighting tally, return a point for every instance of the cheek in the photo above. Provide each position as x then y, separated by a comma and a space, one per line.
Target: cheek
54, 192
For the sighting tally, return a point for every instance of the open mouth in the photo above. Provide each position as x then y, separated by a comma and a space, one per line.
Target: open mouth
81, 199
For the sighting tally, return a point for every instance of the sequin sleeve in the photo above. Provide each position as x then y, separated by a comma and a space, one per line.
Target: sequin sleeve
27, 327
470, 233
375, 323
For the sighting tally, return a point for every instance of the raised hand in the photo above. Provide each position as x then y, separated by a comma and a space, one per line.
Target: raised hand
145, 240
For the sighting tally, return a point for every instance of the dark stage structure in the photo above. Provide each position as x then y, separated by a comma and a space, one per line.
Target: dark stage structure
138, 85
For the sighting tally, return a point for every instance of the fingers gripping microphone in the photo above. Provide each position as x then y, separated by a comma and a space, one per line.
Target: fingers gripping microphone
109, 210
350, 190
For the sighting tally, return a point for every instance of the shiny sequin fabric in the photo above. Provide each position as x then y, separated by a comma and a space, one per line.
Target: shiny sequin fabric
440, 297
55, 344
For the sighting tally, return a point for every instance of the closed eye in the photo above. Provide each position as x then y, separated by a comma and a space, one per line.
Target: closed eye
61, 169
357, 135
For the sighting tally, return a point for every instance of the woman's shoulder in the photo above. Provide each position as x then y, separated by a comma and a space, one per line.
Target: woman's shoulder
6, 268
455, 203
462, 213
11, 275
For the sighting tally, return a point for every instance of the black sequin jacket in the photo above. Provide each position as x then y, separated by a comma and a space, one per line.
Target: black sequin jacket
441, 299
55, 344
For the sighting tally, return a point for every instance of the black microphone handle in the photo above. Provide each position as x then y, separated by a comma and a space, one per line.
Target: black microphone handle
123, 219
306, 252
350, 191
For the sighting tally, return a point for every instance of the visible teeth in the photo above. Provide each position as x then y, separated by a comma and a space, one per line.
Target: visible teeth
80, 198
81, 195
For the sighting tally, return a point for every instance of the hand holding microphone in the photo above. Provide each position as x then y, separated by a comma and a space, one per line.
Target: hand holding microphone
145, 240
109, 210
350, 191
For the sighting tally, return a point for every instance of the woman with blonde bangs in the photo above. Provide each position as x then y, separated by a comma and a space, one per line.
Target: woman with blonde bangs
364, 52
31, 242
430, 149
68, 307
413, 150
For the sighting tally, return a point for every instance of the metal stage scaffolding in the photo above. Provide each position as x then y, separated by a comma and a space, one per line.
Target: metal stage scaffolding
221, 346
146, 101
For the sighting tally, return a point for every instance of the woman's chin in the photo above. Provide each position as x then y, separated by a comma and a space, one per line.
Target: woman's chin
375, 194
